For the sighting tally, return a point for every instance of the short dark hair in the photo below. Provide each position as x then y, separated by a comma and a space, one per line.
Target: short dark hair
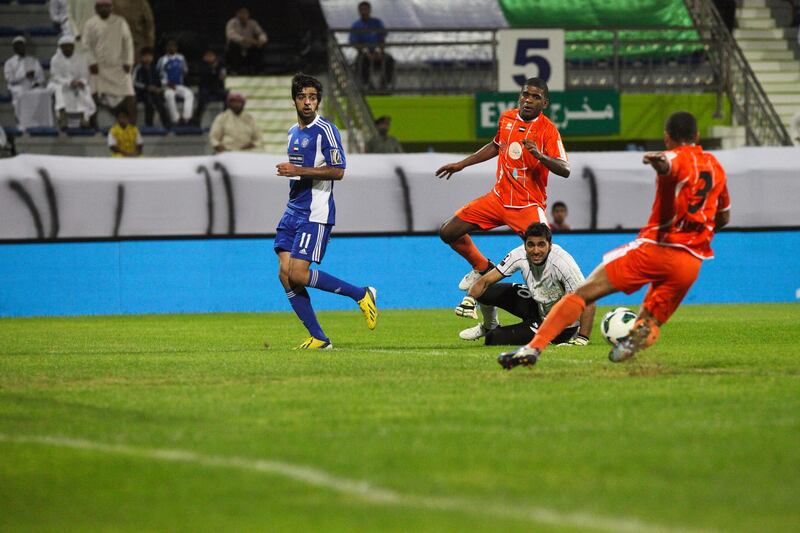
364, 4
682, 127
301, 80
541, 84
383, 118
147, 50
122, 111
539, 229
558, 204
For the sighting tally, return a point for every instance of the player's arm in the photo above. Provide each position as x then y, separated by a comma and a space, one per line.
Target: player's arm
723, 216
657, 160
468, 306
555, 165
587, 321
489, 151
317, 173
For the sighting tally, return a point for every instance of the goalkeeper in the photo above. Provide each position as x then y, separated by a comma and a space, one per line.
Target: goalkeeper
549, 273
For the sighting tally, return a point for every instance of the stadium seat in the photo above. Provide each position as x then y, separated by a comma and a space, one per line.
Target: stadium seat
187, 130
42, 132
5, 97
81, 132
45, 64
31, 2
42, 31
13, 132
153, 131
8, 31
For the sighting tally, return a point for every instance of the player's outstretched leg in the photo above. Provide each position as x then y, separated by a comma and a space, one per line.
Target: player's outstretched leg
644, 333
523, 356
365, 297
369, 306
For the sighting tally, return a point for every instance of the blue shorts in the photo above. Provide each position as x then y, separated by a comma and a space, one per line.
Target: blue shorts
305, 240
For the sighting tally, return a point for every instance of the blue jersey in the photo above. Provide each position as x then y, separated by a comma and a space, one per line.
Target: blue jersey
316, 145
171, 68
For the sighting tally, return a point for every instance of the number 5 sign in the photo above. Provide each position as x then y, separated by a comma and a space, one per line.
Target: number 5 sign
532, 53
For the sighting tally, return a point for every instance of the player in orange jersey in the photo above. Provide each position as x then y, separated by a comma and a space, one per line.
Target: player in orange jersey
691, 203
528, 147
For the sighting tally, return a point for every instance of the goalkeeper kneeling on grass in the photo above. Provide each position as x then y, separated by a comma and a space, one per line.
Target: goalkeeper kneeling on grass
549, 273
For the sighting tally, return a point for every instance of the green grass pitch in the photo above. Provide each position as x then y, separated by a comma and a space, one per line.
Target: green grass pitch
187, 423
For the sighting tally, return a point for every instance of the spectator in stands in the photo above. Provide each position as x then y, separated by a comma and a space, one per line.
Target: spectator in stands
124, 139
59, 14
79, 11
369, 36
23, 75
211, 75
172, 68
109, 48
69, 80
233, 129
245, 43
139, 16
147, 84
559, 213
384, 143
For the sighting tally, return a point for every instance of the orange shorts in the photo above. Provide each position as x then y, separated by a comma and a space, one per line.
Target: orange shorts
670, 271
488, 212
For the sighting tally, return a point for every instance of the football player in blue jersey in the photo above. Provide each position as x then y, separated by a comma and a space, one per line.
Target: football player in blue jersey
316, 160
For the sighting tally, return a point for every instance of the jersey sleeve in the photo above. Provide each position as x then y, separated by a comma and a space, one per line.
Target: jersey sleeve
512, 262
553, 146
332, 147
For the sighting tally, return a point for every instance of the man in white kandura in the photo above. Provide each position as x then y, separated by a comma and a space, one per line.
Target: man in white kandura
549, 273
69, 80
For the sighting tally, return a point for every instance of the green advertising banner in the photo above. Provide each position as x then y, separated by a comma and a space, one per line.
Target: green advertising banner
573, 112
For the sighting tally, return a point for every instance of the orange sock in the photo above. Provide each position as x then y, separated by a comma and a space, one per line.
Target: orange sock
467, 249
564, 313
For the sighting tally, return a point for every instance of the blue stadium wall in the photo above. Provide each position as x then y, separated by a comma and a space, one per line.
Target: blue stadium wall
226, 275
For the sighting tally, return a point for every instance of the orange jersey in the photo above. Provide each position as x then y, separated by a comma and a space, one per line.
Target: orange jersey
521, 178
687, 200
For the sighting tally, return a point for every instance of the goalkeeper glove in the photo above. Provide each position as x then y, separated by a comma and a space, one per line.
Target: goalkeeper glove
467, 308
577, 340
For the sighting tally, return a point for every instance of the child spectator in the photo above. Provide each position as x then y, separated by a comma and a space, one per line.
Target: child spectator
147, 83
172, 68
211, 76
124, 139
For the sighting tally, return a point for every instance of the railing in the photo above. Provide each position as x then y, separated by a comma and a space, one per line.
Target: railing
348, 101
464, 61
749, 102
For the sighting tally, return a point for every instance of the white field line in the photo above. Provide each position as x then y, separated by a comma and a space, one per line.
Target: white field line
361, 489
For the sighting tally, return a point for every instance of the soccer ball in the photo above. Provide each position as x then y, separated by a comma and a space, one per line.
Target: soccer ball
617, 324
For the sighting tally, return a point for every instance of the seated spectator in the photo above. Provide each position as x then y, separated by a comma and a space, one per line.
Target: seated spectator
124, 139
211, 75
69, 80
147, 84
233, 129
245, 43
369, 36
25, 80
384, 143
109, 50
559, 213
60, 17
172, 68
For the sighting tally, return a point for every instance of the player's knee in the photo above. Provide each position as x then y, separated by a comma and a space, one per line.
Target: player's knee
298, 277
445, 234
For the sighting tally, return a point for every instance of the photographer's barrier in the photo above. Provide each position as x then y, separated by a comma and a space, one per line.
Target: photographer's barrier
236, 275
50, 197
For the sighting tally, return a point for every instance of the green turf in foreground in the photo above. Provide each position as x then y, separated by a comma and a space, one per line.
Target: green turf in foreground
701, 432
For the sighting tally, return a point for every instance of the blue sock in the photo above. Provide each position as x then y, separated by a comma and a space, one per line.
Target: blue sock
301, 303
323, 281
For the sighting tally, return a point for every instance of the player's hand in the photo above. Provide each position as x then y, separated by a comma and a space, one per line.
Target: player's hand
287, 169
650, 157
578, 340
531, 147
467, 308
448, 170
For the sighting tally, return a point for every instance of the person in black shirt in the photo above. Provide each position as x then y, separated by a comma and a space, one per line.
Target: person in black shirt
147, 84
211, 75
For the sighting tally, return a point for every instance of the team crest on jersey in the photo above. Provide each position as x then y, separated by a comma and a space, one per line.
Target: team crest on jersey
336, 156
508, 125
305, 142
